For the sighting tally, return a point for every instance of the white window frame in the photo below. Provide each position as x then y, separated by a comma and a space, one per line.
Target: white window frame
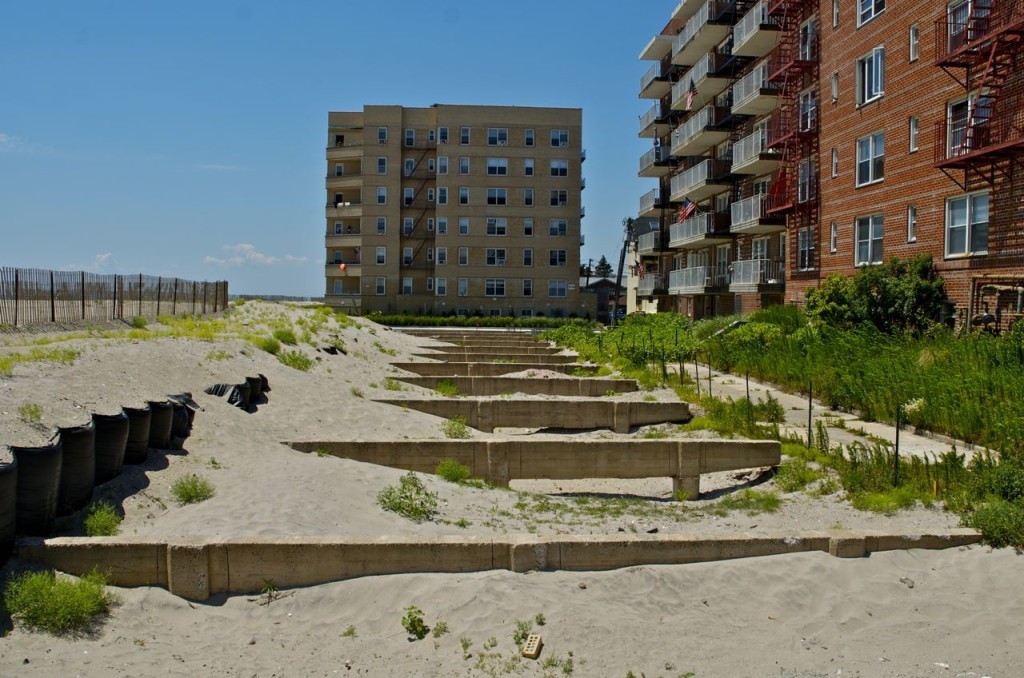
410, 138
528, 167
527, 256
835, 87
464, 136
463, 287
381, 258
407, 226
463, 165
406, 285
495, 256
914, 131
382, 225
527, 228
559, 167
808, 110
969, 224
442, 225
382, 164
874, 160
497, 167
559, 138
529, 138
463, 195
805, 249
494, 287
382, 286
914, 39
382, 135
442, 256
558, 228
806, 188
911, 223
497, 226
835, 13
442, 195
557, 289
833, 237
528, 200
867, 10
463, 225
410, 167
871, 76
442, 164
442, 135
441, 287
808, 39
407, 255
558, 258
559, 197
430, 285
382, 195
497, 196
408, 195
835, 162
497, 136
463, 256
869, 234
430, 255
528, 287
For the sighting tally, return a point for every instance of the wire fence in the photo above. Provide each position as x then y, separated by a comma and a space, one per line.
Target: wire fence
30, 296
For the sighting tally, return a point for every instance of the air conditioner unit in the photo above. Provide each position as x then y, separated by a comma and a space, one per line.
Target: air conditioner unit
563, 144
502, 143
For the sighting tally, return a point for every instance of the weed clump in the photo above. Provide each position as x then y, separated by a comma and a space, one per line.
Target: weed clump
452, 471
455, 428
192, 489
448, 389
31, 413
101, 520
409, 499
269, 344
45, 602
286, 335
296, 360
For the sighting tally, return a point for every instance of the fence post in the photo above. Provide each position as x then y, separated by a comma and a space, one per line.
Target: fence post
204, 297
810, 411
16, 285
159, 284
113, 309
140, 294
174, 299
83, 295
53, 300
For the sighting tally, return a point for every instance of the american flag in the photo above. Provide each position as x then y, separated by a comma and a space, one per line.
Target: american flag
691, 94
688, 208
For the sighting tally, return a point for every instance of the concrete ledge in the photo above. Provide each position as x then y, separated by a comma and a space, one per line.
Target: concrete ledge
502, 357
488, 414
474, 369
581, 387
244, 565
490, 347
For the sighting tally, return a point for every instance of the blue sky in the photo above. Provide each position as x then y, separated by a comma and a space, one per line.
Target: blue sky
187, 139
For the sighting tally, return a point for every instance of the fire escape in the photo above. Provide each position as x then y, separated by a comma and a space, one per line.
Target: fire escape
421, 205
793, 130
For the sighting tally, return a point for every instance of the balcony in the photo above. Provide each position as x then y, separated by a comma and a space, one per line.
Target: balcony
652, 124
701, 181
650, 284
698, 280
990, 137
709, 78
963, 35
758, 275
708, 27
753, 94
657, 48
345, 151
700, 132
651, 203
749, 216
648, 243
655, 162
757, 32
333, 270
350, 302
700, 231
345, 209
686, 9
347, 180
751, 155
654, 85
350, 239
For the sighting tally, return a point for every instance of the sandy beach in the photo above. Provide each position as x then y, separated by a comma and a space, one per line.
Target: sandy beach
903, 613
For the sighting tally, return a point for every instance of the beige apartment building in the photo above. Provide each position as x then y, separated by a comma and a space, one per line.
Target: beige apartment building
471, 210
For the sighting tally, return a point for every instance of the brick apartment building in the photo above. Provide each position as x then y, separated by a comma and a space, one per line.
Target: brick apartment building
813, 138
454, 209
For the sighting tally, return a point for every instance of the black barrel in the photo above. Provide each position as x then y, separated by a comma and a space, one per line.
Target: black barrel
78, 468
38, 485
244, 393
255, 389
8, 507
265, 384
160, 424
111, 440
137, 449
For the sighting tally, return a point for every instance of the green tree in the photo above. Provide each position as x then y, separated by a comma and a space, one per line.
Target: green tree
603, 268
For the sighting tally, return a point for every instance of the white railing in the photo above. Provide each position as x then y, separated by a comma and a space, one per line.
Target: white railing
695, 24
699, 173
693, 126
749, 148
750, 23
694, 277
648, 118
648, 200
649, 283
656, 154
650, 76
758, 272
749, 86
694, 228
747, 210
648, 242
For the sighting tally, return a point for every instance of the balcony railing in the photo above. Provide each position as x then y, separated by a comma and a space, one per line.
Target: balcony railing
650, 76
698, 228
749, 86
750, 26
649, 118
686, 44
696, 279
647, 285
749, 148
957, 143
956, 31
648, 243
682, 184
649, 201
754, 272
656, 155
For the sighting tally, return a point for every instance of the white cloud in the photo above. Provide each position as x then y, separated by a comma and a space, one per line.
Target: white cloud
215, 167
100, 260
244, 254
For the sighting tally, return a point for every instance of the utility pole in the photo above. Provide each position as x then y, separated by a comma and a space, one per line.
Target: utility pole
627, 239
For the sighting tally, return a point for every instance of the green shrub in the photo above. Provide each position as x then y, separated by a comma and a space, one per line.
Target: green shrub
31, 413
751, 501
1000, 522
413, 623
452, 471
296, 360
102, 520
410, 499
192, 489
890, 501
448, 389
794, 475
286, 335
138, 322
269, 344
455, 428
43, 601
392, 384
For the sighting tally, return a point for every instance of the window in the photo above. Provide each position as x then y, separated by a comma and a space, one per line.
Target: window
382, 135
871, 76
809, 41
464, 135
430, 220
560, 138
381, 256
497, 136
430, 254
406, 285
529, 138
835, 13
430, 284
410, 137
556, 258
337, 257
442, 225
915, 36
339, 228
382, 165
463, 225
382, 195
407, 255
869, 240
442, 135
381, 286
833, 237
463, 165
442, 195
806, 180
497, 167
559, 198
430, 135
430, 198
339, 199
528, 227
869, 9
495, 256
808, 110
442, 165
835, 87
967, 224
558, 227
528, 167
494, 287
463, 256
528, 197
497, 196
339, 287
559, 168
407, 196
441, 287
528, 256
527, 287
556, 288
911, 223
382, 225
430, 165
805, 249
496, 226
463, 287
870, 159
835, 162
407, 226
967, 124
409, 165
463, 195
339, 170
442, 256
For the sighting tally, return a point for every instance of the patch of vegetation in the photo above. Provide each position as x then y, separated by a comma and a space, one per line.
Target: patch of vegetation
795, 474
356, 392
448, 389
751, 501
349, 632
37, 354
392, 384
139, 322
409, 499
192, 489
296, 360
286, 335
217, 355
452, 471
440, 629
268, 344
31, 413
55, 604
413, 623
102, 520
455, 428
